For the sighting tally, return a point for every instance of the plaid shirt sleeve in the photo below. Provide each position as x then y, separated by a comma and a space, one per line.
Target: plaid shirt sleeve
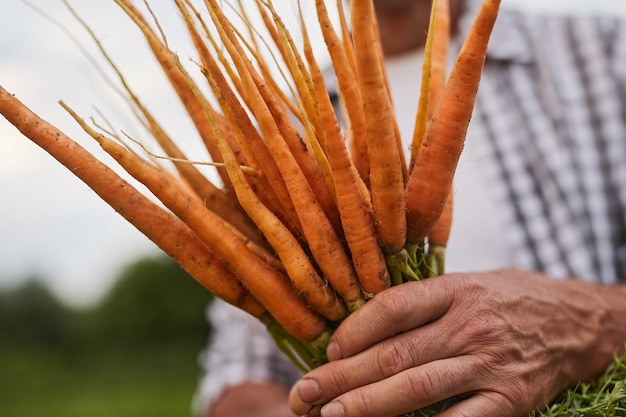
240, 349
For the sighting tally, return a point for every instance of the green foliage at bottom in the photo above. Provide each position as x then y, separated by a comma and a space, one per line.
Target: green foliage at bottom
147, 382
134, 354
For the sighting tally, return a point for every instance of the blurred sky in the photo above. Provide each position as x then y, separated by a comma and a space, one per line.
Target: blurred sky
51, 225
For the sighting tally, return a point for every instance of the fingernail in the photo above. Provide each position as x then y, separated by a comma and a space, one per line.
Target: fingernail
333, 409
333, 352
309, 390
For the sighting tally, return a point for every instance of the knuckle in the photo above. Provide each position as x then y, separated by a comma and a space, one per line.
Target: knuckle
390, 303
338, 383
393, 358
425, 385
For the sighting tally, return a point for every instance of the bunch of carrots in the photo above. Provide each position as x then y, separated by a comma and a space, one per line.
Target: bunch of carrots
318, 210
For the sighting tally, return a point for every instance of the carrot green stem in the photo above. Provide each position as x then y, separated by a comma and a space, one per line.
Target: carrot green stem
409, 264
305, 355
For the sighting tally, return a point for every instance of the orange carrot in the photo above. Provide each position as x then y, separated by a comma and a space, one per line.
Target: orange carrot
300, 270
320, 234
297, 69
298, 145
233, 108
214, 198
367, 256
287, 101
350, 91
438, 238
166, 231
266, 284
439, 62
346, 37
431, 177
180, 82
383, 70
433, 73
433, 82
386, 167
440, 233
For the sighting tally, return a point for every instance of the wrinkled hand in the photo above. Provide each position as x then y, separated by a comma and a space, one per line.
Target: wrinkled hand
506, 341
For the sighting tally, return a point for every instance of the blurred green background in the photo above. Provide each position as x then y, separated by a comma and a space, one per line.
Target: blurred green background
135, 353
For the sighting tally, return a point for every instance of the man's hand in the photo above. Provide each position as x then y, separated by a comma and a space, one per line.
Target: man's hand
506, 341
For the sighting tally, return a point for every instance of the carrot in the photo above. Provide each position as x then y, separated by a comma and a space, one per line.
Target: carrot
349, 88
440, 233
296, 67
431, 177
383, 70
439, 62
346, 37
267, 285
386, 166
300, 270
232, 107
433, 81
438, 238
214, 198
166, 231
308, 114
319, 232
310, 163
360, 234
433, 72
179, 81
287, 101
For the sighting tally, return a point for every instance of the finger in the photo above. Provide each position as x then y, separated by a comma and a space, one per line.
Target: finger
410, 390
407, 350
390, 312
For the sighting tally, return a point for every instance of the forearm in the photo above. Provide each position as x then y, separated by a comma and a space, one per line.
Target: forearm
607, 318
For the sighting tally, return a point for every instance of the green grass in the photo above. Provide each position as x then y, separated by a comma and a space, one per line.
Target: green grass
155, 382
